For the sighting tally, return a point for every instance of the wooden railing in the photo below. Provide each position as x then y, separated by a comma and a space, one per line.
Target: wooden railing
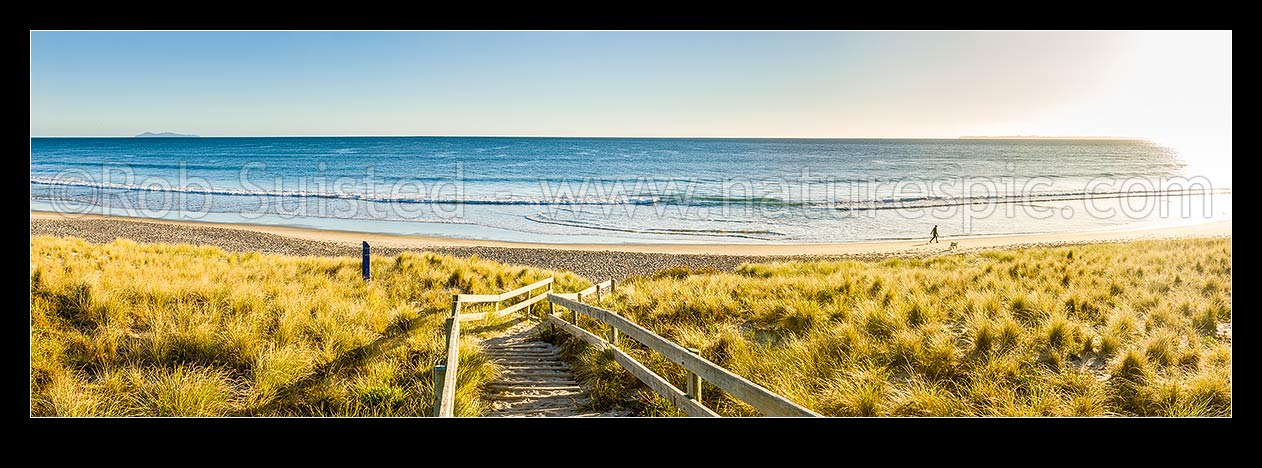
698, 368
445, 374
498, 298
594, 290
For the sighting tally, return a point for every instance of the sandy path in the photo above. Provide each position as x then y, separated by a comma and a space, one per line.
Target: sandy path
533, 381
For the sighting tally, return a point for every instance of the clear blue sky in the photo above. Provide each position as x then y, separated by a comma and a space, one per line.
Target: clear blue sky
792, 84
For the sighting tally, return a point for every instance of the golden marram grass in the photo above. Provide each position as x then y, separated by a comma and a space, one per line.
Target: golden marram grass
1138, 328
164, 330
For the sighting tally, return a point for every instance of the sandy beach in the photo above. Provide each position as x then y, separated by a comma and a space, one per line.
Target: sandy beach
594, 261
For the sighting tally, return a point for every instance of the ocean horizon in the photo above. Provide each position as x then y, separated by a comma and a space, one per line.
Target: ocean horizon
632, 189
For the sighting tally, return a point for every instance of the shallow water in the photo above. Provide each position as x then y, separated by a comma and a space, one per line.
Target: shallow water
611, 190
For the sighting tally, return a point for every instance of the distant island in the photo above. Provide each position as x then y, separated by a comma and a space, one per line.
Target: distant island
165, 135
1039, 137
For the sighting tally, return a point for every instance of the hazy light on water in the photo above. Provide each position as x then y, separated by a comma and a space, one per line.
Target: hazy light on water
1208, 157
1176, 89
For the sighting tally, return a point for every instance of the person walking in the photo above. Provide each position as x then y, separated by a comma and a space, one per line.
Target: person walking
933, 235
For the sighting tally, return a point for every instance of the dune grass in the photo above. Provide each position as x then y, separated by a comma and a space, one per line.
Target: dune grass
124, 329
1137, 328
1113, 329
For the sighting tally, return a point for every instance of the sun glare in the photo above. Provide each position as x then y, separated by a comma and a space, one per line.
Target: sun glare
1173, 88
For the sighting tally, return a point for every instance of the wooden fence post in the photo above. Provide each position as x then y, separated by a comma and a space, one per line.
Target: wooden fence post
551, 308
694, 380
447, 328
366, 262
574, 313
440, 373
613, 332
614, 336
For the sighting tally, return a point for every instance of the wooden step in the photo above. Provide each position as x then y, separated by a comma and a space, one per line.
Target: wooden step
515, 413
535, 404
539, 390
530, 359
535, 365
538, 374
533, 383
548, 377
525, 389
551, 368
533, 380
566, 397
500, 353
494, 349
528, 363
525, 358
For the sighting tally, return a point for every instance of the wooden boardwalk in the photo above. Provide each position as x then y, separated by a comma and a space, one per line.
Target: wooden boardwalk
533, 381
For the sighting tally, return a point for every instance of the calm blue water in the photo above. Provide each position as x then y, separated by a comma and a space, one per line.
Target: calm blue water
610, 190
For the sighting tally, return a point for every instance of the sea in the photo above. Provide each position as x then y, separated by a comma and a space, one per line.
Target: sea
635, 190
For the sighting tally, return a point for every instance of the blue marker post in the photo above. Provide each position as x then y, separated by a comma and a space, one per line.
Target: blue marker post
366, 263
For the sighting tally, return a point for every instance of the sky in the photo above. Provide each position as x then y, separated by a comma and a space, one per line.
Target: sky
1163, 85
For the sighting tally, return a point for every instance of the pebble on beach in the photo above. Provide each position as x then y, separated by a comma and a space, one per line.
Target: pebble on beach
595, 265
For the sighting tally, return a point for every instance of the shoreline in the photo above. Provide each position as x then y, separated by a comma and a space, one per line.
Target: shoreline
865, 247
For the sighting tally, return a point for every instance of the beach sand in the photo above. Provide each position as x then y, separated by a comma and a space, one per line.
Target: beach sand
593, 261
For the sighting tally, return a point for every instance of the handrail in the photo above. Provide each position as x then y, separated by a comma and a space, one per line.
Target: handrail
445, 378
764, 400
656, 382
497, 298
596, 289
479, 298
445, 375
